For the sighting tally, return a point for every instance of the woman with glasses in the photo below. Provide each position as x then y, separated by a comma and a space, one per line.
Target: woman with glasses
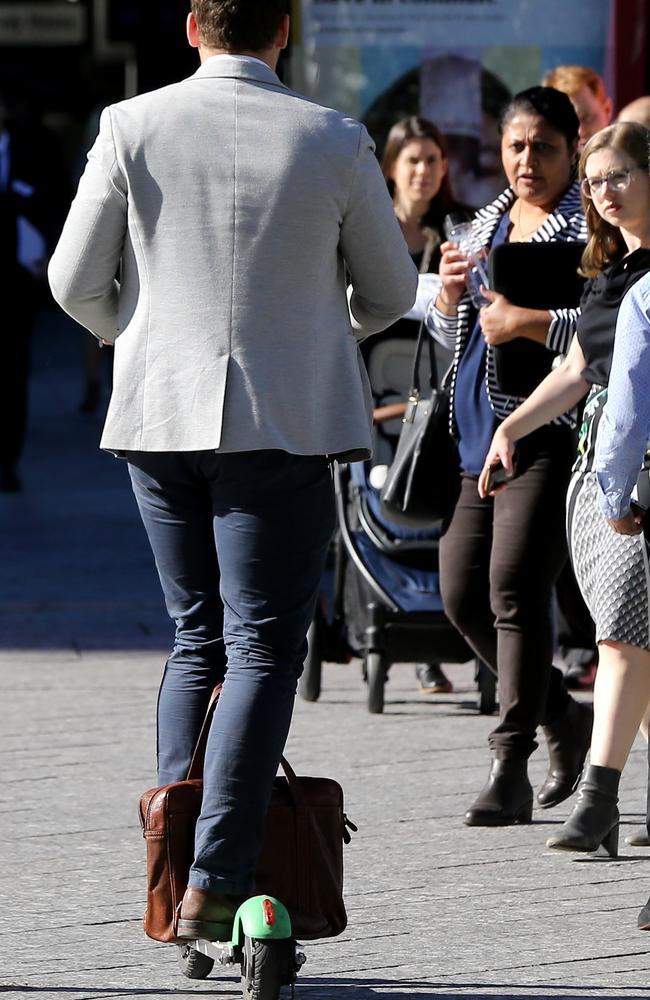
500, 557
611, 565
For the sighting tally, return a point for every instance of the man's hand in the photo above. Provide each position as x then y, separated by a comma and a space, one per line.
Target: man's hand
500, 320
630, 524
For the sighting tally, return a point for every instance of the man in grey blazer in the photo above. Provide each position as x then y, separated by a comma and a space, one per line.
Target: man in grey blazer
233, 241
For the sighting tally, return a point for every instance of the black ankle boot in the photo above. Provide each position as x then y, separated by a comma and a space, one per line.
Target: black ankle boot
506, 799
568, 740
594, 820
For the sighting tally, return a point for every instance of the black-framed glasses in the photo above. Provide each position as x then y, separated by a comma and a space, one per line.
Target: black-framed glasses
615, 180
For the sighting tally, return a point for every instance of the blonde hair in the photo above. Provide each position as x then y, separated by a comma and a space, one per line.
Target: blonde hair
605, 242
571, 79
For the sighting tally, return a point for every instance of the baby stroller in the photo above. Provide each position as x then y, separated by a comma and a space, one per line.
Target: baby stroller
380, 598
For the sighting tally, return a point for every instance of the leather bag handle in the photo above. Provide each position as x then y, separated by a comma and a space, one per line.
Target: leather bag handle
292, 782
196, 767
414, 393
195, 771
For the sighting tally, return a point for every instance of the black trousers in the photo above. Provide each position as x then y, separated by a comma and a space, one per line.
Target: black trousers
499, 560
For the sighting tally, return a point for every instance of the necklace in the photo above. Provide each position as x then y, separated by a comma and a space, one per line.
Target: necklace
529, 232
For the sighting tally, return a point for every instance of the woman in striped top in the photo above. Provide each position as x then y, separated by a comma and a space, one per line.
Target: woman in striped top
611, 565
500, 557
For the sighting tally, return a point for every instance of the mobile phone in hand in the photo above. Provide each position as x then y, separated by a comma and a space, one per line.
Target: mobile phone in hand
497, 475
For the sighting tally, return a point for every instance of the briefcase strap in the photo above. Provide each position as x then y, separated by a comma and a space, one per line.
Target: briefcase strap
196, 767
195, 771
292, 782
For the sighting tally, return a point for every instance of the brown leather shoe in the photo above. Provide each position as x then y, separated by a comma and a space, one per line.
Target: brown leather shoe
207, 915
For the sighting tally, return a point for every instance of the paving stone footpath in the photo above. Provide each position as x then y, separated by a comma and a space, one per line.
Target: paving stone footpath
435, 909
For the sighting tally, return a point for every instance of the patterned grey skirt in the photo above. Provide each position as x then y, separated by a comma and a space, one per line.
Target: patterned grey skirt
612, 570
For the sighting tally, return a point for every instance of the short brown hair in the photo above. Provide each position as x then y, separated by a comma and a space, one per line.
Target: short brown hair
571, 79
605, 243
239, 25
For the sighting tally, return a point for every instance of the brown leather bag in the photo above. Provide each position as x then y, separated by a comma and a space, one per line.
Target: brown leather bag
302, 855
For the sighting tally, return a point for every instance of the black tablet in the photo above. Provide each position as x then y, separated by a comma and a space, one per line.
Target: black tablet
535, 276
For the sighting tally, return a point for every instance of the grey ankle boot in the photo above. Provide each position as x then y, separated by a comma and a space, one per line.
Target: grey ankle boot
594, 820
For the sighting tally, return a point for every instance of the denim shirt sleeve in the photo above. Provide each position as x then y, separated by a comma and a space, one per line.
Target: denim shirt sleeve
625, 424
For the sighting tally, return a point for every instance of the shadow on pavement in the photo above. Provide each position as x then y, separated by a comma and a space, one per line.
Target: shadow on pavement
361, 989
77, 572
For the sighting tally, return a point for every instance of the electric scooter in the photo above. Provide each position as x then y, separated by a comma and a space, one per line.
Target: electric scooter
260, 942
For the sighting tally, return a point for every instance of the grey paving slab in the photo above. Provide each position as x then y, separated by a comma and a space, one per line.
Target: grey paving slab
435, 909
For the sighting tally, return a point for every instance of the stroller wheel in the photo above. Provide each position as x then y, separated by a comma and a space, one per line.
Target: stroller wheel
309, 684
375, 672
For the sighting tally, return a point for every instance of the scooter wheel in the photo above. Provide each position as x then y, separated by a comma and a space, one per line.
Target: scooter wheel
193, 964
267, 966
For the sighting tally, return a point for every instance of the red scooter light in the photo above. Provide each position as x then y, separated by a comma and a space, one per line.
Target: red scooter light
268, 911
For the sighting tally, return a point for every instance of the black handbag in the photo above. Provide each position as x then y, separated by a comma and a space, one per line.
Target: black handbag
423, 480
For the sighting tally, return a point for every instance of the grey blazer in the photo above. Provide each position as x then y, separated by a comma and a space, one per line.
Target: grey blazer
214, 232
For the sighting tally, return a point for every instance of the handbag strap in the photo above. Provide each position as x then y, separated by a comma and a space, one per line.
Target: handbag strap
414, 393
196, 767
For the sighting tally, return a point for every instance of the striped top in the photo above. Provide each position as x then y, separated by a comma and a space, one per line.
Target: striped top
566, 223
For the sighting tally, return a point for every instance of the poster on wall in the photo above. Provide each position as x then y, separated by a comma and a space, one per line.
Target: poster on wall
456, 62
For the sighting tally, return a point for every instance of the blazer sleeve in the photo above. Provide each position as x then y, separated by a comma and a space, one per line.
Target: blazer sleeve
383, 278
84, 267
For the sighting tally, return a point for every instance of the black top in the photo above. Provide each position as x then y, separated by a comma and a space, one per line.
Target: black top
599, 309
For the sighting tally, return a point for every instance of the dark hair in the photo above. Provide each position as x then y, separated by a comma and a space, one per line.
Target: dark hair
548, 103
239, 25
605, 242
400, 135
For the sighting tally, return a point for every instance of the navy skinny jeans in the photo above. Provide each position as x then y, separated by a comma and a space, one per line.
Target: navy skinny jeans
240, 542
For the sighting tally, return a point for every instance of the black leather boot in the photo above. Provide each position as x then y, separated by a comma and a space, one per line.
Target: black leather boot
506, 799
568, 740
594, 820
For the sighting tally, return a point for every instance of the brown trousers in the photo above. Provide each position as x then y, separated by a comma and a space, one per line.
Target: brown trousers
499, 560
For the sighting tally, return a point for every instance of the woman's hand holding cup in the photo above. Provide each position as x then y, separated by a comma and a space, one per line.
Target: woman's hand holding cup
454, 265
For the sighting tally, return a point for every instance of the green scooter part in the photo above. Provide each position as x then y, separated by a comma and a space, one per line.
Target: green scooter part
262, 918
